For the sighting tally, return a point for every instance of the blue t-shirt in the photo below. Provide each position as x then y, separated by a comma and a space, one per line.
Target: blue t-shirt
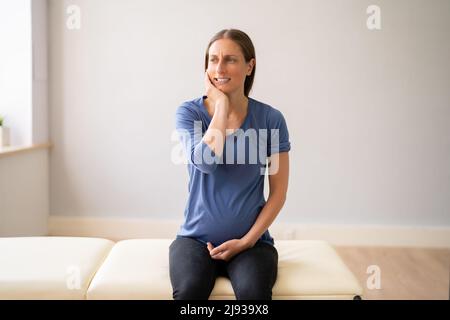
226, 194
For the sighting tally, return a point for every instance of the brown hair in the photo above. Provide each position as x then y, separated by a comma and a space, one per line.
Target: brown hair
247, 48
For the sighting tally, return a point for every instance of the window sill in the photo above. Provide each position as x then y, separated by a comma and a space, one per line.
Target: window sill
7, 151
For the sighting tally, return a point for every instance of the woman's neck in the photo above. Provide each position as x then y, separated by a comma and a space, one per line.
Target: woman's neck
238, 105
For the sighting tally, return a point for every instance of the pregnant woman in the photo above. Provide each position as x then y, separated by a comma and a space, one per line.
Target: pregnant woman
229, 140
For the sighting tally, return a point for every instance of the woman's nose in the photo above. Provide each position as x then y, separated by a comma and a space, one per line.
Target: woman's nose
220, 67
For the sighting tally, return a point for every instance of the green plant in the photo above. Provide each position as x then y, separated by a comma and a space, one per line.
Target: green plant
1, 121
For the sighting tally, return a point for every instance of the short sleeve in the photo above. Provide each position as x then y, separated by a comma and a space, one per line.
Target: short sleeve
279, 134
189, 127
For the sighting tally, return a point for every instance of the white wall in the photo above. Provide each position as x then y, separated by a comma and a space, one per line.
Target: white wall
16, 69
368, 111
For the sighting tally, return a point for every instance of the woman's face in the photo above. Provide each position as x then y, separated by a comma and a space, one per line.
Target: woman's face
227, 68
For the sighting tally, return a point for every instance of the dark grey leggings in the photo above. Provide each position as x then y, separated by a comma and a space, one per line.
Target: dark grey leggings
193, 272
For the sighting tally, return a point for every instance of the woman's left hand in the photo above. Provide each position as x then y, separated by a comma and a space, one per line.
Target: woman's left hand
227, 250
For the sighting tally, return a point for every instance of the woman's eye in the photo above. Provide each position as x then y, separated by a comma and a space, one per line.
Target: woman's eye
229, 60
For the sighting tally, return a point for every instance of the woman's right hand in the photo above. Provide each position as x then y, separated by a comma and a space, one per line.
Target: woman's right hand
217, 128
214, 95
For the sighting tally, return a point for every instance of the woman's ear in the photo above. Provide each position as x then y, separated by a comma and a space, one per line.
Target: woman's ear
251, 64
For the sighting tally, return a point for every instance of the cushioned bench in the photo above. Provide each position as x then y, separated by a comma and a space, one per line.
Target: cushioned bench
49, 267
45, 268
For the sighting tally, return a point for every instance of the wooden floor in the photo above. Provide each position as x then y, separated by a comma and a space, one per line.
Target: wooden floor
406, 273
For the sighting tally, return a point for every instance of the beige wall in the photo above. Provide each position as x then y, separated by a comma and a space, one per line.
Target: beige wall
368, 111
24, 198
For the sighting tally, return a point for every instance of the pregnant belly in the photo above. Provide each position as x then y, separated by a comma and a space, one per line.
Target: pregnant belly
221, 228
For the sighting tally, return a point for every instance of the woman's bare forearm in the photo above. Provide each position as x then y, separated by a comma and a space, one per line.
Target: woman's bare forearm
268, 214
215, 135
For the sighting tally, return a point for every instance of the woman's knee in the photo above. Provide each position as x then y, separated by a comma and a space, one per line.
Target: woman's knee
192, 289
252, 291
